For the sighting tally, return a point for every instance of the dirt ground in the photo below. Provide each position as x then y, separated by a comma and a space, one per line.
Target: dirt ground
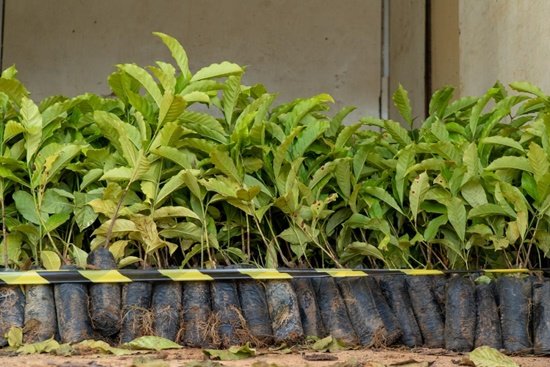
184, 357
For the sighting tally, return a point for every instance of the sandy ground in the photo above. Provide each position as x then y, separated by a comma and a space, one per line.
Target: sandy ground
184, 357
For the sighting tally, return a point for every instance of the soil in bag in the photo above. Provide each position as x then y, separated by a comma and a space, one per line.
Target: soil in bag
514, 296
427, 311
227, 314
440, 291
362, 311
541, 316
136, 316
105, 302
40, 317
255, 311
333, 311
166, 309
487, 317
284, 312
460, 313
391, 324
12, 310
394, 287
197, 311
71, 304
309, 311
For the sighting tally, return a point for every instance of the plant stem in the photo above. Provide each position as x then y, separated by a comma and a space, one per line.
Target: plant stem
4, 232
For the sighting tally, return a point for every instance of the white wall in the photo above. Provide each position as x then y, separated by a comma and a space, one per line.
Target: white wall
297, 48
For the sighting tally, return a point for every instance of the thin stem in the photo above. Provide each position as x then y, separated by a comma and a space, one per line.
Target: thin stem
4, 231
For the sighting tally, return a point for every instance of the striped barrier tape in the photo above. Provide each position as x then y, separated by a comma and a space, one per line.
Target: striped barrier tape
35, 277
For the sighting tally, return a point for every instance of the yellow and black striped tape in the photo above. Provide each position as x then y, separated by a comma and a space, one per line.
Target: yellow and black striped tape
34, 277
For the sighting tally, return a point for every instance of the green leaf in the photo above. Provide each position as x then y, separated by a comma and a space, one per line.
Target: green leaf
145, 79
307, 136
224, 163
24, 203
487, 210
121, 226
232, 354
128, 260
10, 175
171, 107
205, 125
440, 100
90, 177
528, 88
282, 150
397, 132
304, 107
13, 89
196, 96
363, 249
459, 105
84, 214
419, 187
217, 71
383, 195
344, 135
50, 260
181, 157
151, 343
11, 129
478, 109
118, 174
166, 74
474, 193
510, 162
31, 119
403, 104
342, 173
178, 53
55, 221
337, 120
80, 257
433, 227
538, 160
502, 140
294, 235
123, 136
489, 357
53, 202
174, 211
404, 161
13, 245
232, 90
456, 212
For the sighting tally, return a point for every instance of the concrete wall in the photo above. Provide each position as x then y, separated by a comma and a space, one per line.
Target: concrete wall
444, 43
407, 53
297, 48
506, 40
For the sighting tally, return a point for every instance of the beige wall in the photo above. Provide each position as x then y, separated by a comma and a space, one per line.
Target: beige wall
444, 43
297, 48
407, 52
506, 40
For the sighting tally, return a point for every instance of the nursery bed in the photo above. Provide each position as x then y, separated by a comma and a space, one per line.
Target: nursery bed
375, 311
